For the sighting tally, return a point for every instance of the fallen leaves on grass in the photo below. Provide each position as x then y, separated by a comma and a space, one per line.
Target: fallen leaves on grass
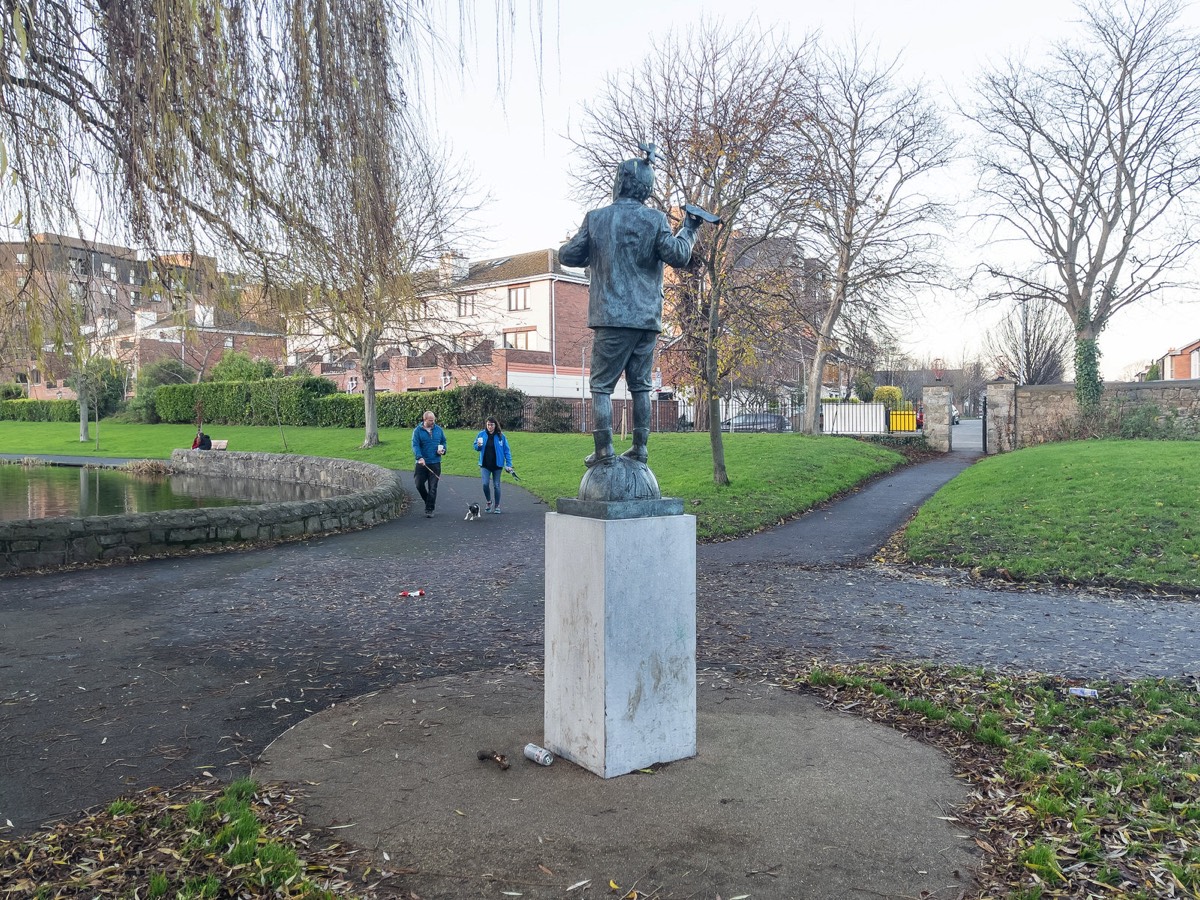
182, 842
1070, 797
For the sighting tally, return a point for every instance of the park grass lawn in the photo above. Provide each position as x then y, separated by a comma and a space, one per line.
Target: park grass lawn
1090, 512
1069, 796
772, 476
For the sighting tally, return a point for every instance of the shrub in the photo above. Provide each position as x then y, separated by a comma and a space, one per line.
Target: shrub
890, 395
39, 410
405, 410
477, 401
234, 365
864, 387
392, 410
291, 401
343, 410
150, 379
11, 391
552, 415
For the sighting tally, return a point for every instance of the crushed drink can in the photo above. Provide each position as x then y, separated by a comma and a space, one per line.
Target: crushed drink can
539, 755
1089, 693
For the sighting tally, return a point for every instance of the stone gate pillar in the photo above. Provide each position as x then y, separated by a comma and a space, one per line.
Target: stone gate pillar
1001, 424
936, 400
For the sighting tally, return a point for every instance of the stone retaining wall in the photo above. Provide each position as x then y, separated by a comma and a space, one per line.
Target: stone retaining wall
373, 495
1024, 415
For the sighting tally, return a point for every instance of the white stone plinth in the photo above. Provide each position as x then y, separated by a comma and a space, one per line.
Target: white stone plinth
620, 641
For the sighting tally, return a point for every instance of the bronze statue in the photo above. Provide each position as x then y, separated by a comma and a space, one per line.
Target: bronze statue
626, 245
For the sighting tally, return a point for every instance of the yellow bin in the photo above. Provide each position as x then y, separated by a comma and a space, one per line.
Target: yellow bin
902, 420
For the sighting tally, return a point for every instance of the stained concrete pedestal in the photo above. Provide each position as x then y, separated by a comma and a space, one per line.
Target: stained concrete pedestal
620, 638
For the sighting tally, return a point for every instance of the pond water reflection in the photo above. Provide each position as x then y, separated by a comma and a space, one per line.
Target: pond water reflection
46, 492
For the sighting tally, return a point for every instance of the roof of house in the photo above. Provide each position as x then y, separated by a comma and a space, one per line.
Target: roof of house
1186, 348
521, 267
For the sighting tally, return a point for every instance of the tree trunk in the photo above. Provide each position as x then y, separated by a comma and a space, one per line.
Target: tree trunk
711, 373
370, 409
812, 402
366, 355
84, 412
1088, 386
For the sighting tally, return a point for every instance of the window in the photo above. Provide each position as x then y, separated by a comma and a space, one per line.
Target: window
77, 265
22, 259
466, 305
520, 340
75, 291
135, 297
518, 297
109, 270
229, 343
352, 384
133, 279
1196, 364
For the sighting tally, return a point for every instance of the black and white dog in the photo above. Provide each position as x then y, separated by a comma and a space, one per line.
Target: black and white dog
472, 512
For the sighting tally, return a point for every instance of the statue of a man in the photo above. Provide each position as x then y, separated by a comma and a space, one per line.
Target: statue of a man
626, 245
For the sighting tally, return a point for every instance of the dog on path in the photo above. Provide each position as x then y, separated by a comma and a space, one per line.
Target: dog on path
472, 512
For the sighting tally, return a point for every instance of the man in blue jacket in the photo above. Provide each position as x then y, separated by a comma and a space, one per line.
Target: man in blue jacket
626, 244
429, 446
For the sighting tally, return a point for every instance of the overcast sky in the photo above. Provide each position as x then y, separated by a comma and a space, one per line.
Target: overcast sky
517, 146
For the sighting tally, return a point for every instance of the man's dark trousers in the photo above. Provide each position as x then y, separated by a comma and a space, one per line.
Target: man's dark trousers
427, 477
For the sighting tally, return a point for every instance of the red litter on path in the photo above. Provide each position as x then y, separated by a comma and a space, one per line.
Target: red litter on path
416, 593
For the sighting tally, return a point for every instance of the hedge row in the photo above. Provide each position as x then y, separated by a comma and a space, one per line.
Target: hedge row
392, 410
461, 407
309, 400
39, 410
292, 401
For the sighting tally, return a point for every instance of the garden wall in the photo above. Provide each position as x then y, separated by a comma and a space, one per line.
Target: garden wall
373, 495
1024, 415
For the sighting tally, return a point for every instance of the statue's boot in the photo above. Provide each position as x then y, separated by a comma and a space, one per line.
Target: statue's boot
604, 448
638, 451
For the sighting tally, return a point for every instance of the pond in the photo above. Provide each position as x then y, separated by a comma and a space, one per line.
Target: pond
46, 492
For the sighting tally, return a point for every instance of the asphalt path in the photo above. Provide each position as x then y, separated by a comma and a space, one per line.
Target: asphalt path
115, 679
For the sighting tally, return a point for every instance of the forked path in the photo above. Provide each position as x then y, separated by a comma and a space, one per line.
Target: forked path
115, 679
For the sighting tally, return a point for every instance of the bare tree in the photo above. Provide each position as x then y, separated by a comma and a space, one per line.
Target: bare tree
719, 105
871, 143
1031, 343
1090, 162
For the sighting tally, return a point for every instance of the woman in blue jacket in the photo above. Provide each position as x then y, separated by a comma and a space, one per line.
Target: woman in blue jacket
494, 457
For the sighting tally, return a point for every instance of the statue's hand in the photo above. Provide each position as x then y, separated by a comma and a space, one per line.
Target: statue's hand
692, 222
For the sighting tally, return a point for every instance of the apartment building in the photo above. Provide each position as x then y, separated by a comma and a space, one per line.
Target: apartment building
130, 309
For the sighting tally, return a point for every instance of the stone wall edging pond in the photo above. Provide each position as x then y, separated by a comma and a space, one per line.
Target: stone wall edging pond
373, 495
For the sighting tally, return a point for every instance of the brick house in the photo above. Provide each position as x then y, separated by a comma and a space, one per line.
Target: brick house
132, 310
514, 321
1181, 364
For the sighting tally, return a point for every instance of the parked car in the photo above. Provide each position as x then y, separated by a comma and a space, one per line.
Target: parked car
757, 422
954, 414
920, 417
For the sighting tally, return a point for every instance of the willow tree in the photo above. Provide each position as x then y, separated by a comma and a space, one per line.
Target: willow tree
367, 274
1089, 162
718, 105
170, 123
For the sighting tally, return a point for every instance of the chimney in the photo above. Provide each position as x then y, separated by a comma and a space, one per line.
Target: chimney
454, 267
